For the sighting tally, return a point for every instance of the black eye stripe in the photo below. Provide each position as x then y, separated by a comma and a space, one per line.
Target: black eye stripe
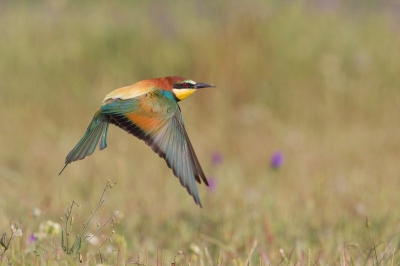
184, 85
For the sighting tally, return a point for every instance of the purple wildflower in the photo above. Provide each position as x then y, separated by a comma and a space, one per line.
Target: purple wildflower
32, 239
277, 160
212, 184
217, 158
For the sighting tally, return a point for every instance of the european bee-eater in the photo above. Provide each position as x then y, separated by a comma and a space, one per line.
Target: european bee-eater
149, 110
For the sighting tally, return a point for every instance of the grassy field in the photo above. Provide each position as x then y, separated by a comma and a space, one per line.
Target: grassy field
317, 84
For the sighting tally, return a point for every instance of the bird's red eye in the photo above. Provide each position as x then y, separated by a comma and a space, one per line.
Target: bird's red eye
185, 85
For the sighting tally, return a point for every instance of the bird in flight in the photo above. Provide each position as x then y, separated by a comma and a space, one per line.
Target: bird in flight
149, 110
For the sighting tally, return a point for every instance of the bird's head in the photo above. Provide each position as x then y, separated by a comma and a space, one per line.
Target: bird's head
183, 87
176, 88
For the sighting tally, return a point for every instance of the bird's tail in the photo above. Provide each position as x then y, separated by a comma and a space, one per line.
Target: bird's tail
96, 131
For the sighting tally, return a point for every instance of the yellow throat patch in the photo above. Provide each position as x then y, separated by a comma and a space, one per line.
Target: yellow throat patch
182, 93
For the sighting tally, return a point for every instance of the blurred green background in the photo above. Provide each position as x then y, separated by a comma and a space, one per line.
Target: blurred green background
315, 81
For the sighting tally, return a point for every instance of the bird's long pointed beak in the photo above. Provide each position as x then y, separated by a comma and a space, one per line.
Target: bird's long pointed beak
203, 85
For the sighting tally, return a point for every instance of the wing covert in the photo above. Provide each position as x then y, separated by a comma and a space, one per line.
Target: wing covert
160, 124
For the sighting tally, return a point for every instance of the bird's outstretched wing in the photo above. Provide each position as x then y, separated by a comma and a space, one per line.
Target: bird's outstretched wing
159, 123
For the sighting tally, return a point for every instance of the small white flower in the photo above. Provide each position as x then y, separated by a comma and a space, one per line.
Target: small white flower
109, 249
92, 239
18, 233
195, 248
49, 228
36, 212
118, 214
52, 228
15, 230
